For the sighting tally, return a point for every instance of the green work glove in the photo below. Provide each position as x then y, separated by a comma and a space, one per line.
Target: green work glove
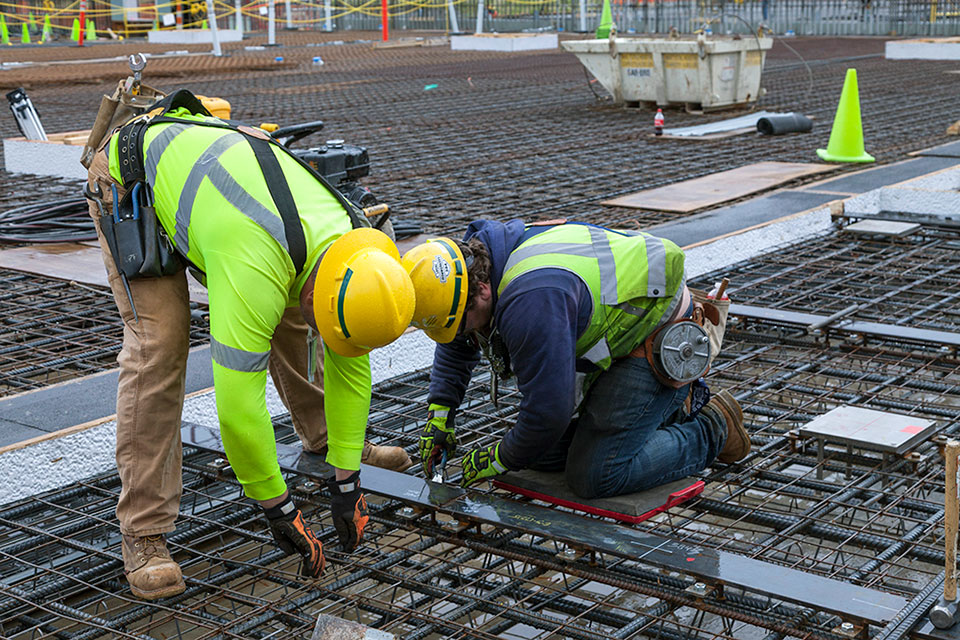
437, 437
480, 464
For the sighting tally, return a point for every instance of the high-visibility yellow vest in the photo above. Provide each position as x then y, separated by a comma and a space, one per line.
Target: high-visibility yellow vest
635, 281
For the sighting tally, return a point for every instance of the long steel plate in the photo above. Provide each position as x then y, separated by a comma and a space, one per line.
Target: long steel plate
852, 602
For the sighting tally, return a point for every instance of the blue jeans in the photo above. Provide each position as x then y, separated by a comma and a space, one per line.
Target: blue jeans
633, 435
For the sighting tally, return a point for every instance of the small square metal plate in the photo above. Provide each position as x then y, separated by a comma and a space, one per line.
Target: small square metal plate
882, 228
869, 429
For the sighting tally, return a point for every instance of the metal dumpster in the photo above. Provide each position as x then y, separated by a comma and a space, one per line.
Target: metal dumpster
694, 71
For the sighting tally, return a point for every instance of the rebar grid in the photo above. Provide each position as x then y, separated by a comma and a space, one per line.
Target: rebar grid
909, 281
53, 330
870, 520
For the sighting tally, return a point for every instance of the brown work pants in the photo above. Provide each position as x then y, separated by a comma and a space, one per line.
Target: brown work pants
153, 364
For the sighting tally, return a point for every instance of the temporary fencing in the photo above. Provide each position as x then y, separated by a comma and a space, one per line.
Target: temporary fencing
124, 18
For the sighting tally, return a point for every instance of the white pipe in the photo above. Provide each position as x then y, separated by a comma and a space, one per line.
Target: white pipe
454, 27
212, 23
583, 16
289, 14
480, 10
239, 16
271, 24
327, 16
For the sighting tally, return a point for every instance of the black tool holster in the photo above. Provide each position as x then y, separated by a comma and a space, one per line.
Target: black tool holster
138, 243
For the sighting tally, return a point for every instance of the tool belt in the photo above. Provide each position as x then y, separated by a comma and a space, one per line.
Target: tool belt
130, 154
705, 314
138, 244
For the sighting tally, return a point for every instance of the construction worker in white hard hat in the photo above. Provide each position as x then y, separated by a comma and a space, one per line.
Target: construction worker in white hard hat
282, 255
571, 310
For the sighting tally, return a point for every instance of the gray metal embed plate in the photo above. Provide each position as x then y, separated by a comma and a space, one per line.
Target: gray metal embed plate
882, 228
869, 429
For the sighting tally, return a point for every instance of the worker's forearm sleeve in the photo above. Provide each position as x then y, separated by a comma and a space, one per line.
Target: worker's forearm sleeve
346, 384
247, 431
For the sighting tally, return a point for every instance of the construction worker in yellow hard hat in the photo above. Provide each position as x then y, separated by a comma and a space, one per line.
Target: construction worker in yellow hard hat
283, 255
439, 275
573, 312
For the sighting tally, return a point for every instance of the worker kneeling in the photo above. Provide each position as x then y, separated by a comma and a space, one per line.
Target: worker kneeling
282, 255
572, 310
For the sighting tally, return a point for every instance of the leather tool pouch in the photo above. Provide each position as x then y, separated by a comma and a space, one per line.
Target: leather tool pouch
114, 110
715, 319
138, 243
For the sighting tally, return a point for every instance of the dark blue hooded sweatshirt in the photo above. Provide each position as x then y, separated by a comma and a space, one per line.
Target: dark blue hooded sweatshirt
540, 317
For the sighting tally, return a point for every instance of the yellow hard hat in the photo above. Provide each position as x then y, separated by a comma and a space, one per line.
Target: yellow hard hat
362, 298
439, 275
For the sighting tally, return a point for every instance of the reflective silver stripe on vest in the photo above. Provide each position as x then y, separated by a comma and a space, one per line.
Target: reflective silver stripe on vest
607, 265
238, 359
568, 248
156, 148
208, 159
598, 352
656, 267
246, 204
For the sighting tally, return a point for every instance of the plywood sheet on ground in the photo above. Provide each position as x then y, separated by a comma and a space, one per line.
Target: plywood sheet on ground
72, 261
698, 193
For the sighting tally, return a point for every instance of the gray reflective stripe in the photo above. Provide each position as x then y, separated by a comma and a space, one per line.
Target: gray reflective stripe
529, 251
440, 414
156, 148
238, 359
626, 307
236, 195
607, 265
287, 508
598, 352
656, 267
208, 159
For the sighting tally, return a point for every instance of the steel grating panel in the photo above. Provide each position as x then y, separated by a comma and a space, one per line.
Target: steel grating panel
909, 281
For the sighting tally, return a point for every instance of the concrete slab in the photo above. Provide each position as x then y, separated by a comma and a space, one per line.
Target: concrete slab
882, 176
193, 36
632, 507
715, 188
711, 224
11, 432
82, 400
41, 158
881, 228
508, 42
923, 49
949, 150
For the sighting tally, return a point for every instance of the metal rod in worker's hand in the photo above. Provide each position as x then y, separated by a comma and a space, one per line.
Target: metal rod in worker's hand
952, 450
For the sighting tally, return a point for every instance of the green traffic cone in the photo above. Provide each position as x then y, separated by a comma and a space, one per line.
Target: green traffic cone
75, 30
203, 25
846, 137
154, 25
606, 21
91, 32
4, 32
25, 34
47, 29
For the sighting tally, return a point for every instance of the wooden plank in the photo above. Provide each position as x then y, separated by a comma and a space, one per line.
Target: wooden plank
690, 195
75, 262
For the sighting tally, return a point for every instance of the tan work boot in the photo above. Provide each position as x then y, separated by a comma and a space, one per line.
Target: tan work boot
150, 570
737, 445
392, 458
